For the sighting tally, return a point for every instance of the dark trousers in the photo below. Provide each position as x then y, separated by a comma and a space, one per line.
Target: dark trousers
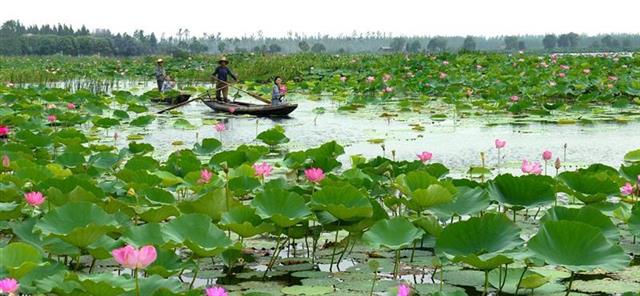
160, 84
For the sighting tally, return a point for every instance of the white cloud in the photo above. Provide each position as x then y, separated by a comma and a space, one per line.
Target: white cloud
334, 17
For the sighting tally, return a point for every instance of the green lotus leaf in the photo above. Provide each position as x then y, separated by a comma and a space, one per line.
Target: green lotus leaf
140, 148
78, 223
182, 123
243, 185
244, 221
466, 201
415, 180
307, 290
429, 224
576, 246
158, 196
198, 233
273, 136
479, 241
632, 156
101, 248
213, 204
434, 195
344, 202
105, 122
70, 159
141, 121
509, 281
592, 184
10, 210
588, 215
156, 214
208, 146
182, 162
634, 220
138, 163
168, 264
19, 258
104, 284
104, 160
283, 207
394, 234
142, 235
523, 191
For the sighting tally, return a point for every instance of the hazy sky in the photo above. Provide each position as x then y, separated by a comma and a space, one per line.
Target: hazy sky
334, 17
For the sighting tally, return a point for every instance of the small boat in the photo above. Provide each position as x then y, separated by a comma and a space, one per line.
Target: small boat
181, 98
240, 108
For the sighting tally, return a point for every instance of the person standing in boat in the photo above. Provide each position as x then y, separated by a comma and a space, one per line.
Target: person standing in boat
278, 92
221, 75
161, 74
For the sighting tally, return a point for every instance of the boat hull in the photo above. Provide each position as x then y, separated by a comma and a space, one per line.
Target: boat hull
252, 109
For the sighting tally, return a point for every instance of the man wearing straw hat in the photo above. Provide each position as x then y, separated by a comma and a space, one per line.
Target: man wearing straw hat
161, 74
220, 75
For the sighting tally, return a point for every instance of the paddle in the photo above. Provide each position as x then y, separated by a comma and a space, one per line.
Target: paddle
256, 96
185, 102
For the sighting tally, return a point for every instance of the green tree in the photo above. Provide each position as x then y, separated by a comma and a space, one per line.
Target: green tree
437, 44
304, 46
275, 48
414, 46
221, 47
469, 44
397, 44
549, 41
318, 47
521, 45
511, 42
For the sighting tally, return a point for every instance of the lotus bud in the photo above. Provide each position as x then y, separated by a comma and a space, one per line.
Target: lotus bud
557, 163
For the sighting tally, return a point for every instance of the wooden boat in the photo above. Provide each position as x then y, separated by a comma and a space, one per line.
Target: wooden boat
181, 98
240, 108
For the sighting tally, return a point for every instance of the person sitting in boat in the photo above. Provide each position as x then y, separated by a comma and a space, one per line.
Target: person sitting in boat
160, 73
278, 92
168, 84
221, 76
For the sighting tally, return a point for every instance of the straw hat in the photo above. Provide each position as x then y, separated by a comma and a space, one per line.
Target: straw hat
223, 60
160, 61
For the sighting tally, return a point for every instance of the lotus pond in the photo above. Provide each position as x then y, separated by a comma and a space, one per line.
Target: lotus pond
333, 201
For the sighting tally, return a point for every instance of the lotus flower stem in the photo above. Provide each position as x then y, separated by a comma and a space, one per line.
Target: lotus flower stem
335, 245
396, 267
135, 276
520, 280
195, 275
93, 263
343, 252
503, 282
486, 282
570, 283
373, 283
413, 250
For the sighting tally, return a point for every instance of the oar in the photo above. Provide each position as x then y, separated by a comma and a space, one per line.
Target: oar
185, 102
178, 105
256, 96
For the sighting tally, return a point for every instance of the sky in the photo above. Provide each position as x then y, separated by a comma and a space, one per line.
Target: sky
238, 18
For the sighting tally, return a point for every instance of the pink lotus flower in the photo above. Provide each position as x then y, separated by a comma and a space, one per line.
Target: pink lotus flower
4, 130
564, 67
343, 78
371, 79
547, 155
6, 162
386, 77
586, 71
445, 63
387, 89
205, 176
514, 98
627, 189
131, 258
613, 78
71, 106
425, 156
263, 169
500, 143
554, 56
232, 109
283, 89
562, 75
220, 127
216, 291
404, 290
531, 167
443, 75
314, 175
51, 118
8, 286
34, 198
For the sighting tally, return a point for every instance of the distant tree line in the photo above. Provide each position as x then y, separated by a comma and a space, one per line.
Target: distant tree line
17, 39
